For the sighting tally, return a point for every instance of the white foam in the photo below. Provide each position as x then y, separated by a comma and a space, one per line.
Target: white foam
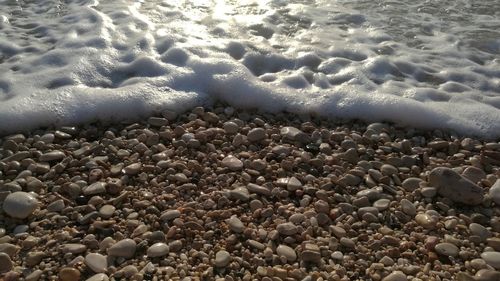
112, 60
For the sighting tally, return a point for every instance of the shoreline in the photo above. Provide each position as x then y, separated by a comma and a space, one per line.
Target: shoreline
209, 194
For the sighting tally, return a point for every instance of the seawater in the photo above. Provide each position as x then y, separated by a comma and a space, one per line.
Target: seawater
428, 64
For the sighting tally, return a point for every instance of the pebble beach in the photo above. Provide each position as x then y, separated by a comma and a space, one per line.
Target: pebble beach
222, 194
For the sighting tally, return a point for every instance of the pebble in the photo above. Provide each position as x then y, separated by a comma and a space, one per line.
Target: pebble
240, 193
74, 248
36, 274
395, 276
170, 215
287, 228
487, 275
254, 188
52, 156
494, 192
408, 207
158, 250
124, 248
474, 174
311, 253
411, 184
256, 134
107, 211
492, 259
233, 163
222, 258
382, 204
5, 263
132, 169
287, 252
492, 242
293, 184
56, 206
20, 205
294, 134
446, 249
69, 274
479, 230
95, 188
453, 186
235, 224
97, 262
230, 128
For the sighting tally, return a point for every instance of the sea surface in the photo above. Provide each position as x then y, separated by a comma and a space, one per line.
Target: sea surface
428, 64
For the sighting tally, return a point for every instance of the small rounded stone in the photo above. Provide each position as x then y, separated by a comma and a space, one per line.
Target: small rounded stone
492, 259
5, 263
158, 250
222, 258
287, 252
69, 274
446, 249
97, 262
395, 276
124, 248
20, 204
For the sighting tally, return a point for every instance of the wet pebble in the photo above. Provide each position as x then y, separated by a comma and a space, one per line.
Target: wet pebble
20, 204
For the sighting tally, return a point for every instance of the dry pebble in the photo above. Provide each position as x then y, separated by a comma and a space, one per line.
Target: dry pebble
224, 194
20, 204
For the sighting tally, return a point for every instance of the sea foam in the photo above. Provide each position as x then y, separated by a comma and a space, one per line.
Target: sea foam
412, 64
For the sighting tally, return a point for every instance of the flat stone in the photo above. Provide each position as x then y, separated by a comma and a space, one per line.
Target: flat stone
34, 258
230, 128
487, 275
495, 192
382, 204
222, 258
254, 188
479, 230
5, 263
395, 276
233, 163
9, 249
338, 231
107, 211
446, 249
492, 242
293, 184
158, 250
311, 253
95, 188
170, 215
36, 274
69, 274
294, 134
56, 206
97, 262
474, 174
235, 224
240, 193
132, 169
20, 205
410, 184
256, 134
124, 248
287, 228
287, 252
453, 186
492, 259
74, 248
408, 207
52, 156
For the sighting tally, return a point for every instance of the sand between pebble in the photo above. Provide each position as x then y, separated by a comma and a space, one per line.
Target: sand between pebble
227, 195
